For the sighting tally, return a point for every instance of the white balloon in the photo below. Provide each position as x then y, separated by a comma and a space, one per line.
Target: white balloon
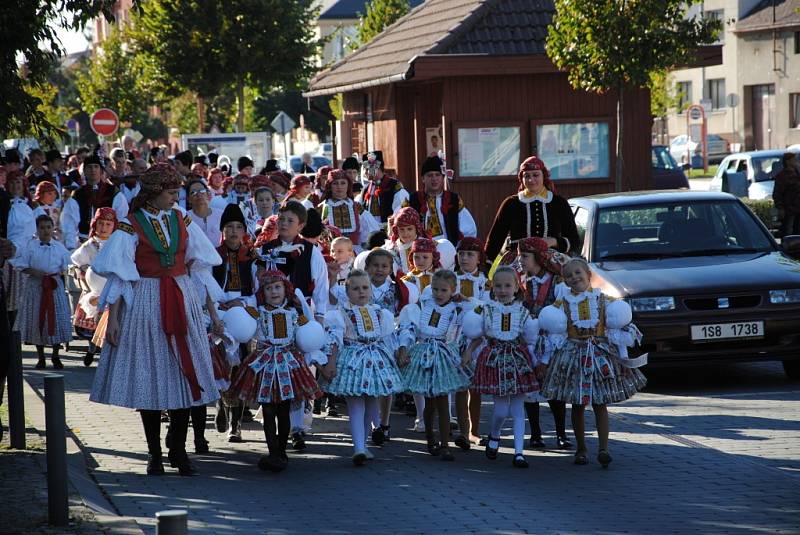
553, 320
95, 281
310, 337
239, 324
618, 314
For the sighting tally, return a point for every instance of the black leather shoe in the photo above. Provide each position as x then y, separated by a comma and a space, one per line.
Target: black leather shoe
537, 443
563, 443
272, 463
378, 438
42, 364
201, 446
57, 364
247, 416
299, 441
221, 419
519, 461
155, 465
462, 442
604, 458
88, 358
182, 463
491, 453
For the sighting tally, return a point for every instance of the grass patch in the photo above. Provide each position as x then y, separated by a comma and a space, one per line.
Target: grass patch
33, 442
699, 173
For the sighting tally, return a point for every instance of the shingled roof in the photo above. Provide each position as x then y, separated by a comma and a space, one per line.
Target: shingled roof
770, 15
440, 27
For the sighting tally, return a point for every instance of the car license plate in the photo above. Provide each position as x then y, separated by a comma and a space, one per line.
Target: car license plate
723, 331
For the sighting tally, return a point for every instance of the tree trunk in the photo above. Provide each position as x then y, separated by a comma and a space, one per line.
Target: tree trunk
620, 115
240, 99
201, 114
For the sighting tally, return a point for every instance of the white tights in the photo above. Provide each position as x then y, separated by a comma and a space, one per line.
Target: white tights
362, 411
513, 406
419, 401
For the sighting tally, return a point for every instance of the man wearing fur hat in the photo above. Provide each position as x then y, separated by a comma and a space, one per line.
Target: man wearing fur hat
442, 211
382, 195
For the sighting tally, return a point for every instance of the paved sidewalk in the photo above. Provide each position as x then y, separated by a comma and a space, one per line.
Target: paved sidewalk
671, 474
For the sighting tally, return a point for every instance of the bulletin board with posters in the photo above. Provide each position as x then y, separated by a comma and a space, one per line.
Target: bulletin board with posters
491, 150
574, 150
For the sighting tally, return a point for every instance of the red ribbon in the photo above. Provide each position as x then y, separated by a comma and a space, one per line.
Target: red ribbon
47, 306
173, 320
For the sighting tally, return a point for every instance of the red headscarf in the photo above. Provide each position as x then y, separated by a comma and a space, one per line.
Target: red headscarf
336, 174
322, 175
45, 186
425, 245
267, 277
541, 252
297, 182
259, 181
534, 163
406, 217
472, 244
277, 177
106, 214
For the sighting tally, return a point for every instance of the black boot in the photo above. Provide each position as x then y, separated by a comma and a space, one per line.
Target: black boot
221, 419
199, 414
151, 420
55, 360
532, 410
178, 458
273, 461
559, 410
42, 364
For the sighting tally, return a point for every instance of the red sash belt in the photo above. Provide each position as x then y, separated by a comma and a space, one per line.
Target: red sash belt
173, 319
47, 306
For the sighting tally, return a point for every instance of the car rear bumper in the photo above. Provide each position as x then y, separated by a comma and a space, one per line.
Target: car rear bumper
668, 340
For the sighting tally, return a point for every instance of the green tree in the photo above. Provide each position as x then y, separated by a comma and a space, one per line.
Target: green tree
615, 45
29, 37
112, 81
206, 46
379, 15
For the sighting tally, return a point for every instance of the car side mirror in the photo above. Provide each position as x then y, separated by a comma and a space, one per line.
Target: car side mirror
686, 166
791, 245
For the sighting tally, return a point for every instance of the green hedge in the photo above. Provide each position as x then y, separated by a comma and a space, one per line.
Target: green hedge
764, 209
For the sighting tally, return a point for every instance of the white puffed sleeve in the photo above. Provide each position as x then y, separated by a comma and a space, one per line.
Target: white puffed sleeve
409, 321
120, 205
387, 322
367, 225
319, 274
400, 197
22, 260
466, 223
82, 256
472, 323
64, 257
334, 327
338, 294
199, 250
116, 261
69, 219
553, 321
530, 330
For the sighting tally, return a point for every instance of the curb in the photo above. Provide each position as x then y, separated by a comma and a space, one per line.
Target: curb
80, 479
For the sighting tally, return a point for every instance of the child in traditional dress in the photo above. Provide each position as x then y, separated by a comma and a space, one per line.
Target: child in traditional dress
301, 188
361, 363
276, 373
87, 315
541, 274
343, 254
429, 356
475, 287
586, 359
405, 226
48, 203
21, 228
505, 367
339, 209
44, 320
265, 208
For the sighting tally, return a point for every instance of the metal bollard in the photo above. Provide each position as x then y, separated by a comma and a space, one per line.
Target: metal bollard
172, 522
16, 400
55, 421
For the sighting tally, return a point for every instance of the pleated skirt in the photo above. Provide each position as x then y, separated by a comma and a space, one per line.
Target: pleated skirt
27, 322
435, 369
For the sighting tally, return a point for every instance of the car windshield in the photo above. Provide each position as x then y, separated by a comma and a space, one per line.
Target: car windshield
317, 162
766, 167
690, 228
662, 159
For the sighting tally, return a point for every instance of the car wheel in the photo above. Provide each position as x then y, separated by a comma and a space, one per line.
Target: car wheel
792, 369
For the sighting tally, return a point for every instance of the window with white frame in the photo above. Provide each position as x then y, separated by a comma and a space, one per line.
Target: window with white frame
714, 91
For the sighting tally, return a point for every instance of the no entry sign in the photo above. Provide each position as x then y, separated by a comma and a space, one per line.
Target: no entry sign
104, 122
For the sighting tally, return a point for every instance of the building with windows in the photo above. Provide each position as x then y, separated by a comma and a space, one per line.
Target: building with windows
753, 97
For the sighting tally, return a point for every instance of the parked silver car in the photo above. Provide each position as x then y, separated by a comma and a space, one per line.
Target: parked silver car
753, 170
681, 147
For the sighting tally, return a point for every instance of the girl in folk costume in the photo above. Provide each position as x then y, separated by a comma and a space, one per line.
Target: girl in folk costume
391, 295
299, 190
277, 373
541, 274
20, 228
48, 203
342, 254
424, 261
45, 318
157, 355
87, 314
339, 209
405, 226
361, 363
264, 201
535, 210
475, 287
586, 357
505, 367
432, 367
215, 178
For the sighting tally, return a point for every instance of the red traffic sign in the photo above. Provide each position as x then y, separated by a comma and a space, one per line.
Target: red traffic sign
104, 122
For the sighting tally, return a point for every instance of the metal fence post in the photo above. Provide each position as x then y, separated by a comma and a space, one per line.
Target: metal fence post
16, 400
172, 522
55, 422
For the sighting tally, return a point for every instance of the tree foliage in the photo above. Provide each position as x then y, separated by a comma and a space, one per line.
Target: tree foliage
209, 46
111, 81
28, 36
613, 45
379, 14
663, 94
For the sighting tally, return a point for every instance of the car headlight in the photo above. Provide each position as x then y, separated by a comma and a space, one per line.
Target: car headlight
782, 297
652, 304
